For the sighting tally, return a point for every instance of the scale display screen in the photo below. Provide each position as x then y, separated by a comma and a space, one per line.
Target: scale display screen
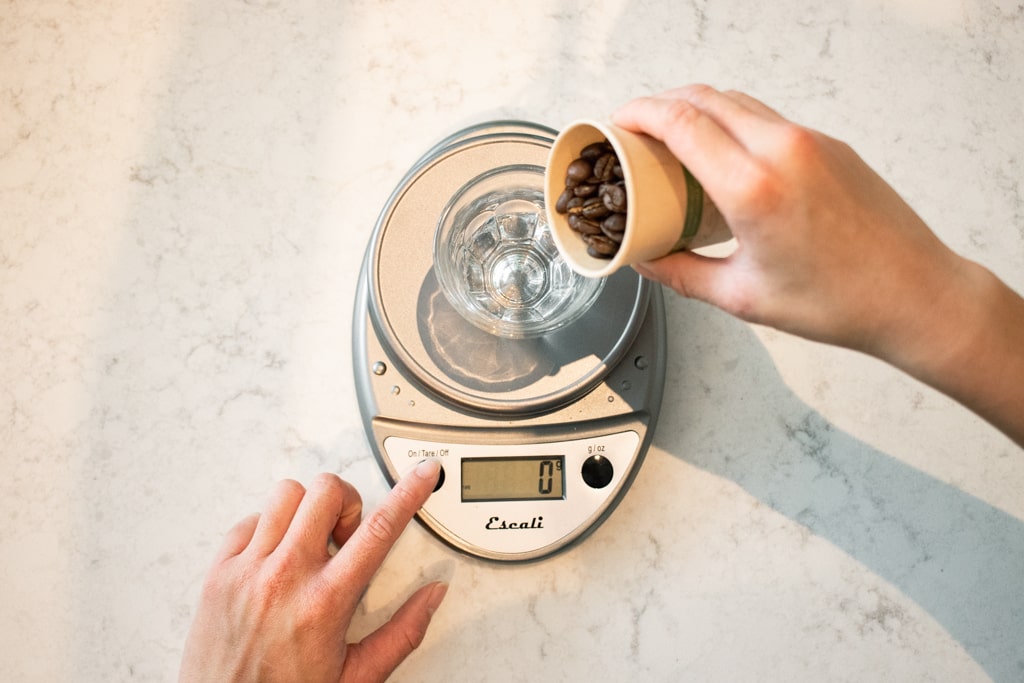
540, 477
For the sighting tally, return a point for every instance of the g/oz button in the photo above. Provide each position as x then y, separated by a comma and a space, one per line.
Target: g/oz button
597, 471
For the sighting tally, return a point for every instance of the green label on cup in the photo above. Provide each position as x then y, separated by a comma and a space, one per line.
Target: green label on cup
694, 209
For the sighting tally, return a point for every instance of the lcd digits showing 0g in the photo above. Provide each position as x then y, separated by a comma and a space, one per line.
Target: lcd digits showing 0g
523, 478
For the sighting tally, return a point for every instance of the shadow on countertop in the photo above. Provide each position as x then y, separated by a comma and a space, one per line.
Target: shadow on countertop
959, 558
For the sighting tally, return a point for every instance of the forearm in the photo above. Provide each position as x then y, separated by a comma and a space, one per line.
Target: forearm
968, 343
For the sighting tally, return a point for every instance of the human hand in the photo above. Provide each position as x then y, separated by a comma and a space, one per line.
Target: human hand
276, 605
826, 249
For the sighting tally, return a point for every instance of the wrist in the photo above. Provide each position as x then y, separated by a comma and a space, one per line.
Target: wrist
940, 319
963, 334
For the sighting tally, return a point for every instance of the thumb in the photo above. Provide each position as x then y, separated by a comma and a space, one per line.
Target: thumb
380, 653
690, 275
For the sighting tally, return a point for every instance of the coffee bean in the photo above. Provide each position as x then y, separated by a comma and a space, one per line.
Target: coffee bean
585, 190
614, 197
615, 224
562, 205
584, 226
616, 237
595, 150
594, 208
604, 167
600, 246
578, 171
595, 199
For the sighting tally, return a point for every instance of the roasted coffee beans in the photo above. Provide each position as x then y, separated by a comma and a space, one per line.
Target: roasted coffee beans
595, 199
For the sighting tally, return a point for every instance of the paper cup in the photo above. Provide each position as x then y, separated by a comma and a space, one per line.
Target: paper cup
667, 209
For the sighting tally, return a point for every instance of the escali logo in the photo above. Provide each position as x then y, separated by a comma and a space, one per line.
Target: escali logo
498, 524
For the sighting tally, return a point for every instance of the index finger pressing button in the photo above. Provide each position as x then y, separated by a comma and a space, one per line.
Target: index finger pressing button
360, 558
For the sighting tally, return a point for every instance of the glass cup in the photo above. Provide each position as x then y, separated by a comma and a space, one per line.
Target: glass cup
497, 263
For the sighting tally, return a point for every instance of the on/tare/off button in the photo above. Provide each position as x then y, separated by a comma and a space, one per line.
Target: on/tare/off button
597, 471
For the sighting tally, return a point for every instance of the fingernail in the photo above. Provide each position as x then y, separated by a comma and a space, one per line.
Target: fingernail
428, 469
437, 594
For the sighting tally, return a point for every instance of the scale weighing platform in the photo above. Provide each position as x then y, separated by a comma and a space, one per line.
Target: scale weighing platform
539, 438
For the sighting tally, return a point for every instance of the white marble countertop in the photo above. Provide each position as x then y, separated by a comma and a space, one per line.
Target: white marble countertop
186, 190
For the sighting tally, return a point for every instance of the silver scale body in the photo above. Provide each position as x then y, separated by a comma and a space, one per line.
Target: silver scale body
430, 384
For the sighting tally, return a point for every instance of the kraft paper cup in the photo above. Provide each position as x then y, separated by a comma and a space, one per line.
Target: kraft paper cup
667, 209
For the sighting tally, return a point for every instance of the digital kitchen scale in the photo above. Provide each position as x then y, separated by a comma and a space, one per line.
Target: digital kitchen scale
538, 438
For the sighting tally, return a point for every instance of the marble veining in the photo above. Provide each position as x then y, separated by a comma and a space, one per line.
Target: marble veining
186, 190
